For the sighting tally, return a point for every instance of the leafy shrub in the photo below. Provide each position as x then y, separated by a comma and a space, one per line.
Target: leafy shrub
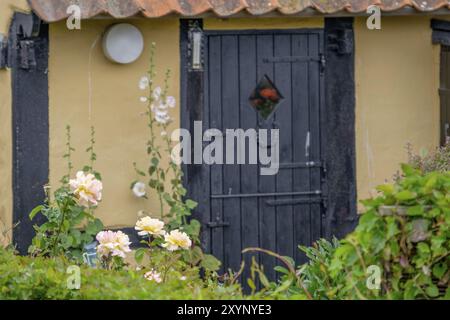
289, 286
69, 224
311, 280
315, 273
439, 160
46, 278
406, 233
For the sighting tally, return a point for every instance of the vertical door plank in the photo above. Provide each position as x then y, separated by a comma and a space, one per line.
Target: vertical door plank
283, 81
267, 218
231, 172
300, 118
249, 173
314, 122
204, 204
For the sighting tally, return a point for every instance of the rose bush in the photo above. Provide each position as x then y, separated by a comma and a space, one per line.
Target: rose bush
69, 221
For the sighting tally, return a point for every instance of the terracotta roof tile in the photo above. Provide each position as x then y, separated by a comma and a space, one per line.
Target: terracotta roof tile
54, 10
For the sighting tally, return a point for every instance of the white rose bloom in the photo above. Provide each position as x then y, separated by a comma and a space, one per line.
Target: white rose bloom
176, 240
86, 188
149, 226
152, 275
113, 243
122, 244
144, 82
139, 189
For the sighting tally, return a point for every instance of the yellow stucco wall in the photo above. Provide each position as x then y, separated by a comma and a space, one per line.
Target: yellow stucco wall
7, 8
86, 89
397, 101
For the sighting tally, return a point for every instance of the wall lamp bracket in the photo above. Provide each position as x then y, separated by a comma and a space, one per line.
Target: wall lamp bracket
196, 36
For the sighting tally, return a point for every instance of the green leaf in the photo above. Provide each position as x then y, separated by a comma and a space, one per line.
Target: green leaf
408, 170
94, 227
35, 211
191, 204
99, 225
139, 255
281, 270
432, 291
251, 284
210, 263
284, 286
439, 270
155, 161
405, 195
265, 282
415, 211
387, 189
193, 228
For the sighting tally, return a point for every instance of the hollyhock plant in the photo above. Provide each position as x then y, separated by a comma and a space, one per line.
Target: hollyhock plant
167, 184
87, 189
149, 226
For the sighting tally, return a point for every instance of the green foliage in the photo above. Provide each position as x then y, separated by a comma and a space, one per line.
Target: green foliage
399, 250
61, 233
46, 278
68, 226
308, 281
290, 285
315, 273
406, 233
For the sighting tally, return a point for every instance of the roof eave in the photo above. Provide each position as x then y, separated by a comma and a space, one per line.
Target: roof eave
307, 13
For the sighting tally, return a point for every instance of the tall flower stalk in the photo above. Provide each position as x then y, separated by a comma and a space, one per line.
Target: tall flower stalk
166, 181
159, 146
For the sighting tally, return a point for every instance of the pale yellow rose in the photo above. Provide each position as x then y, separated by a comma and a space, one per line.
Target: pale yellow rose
176, 240
149, 226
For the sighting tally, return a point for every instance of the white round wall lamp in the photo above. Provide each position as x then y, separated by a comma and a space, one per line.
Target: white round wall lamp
123, 43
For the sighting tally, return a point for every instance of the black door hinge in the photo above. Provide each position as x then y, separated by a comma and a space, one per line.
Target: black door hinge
218, 224
27, 54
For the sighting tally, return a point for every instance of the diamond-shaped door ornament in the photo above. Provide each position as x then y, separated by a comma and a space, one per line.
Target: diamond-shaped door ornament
265, 98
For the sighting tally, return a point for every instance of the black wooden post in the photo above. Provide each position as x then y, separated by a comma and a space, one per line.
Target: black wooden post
339, 127
196, 179
28, 59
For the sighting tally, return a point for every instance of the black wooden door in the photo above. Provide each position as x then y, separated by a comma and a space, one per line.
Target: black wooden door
239, 207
